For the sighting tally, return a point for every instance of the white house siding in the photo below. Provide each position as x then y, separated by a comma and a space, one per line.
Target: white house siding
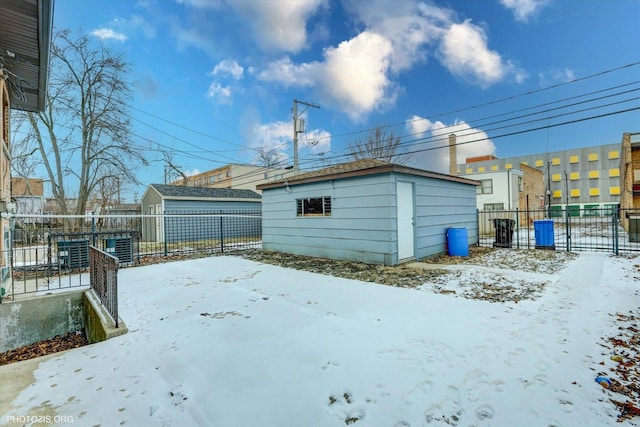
363, 222
361, 226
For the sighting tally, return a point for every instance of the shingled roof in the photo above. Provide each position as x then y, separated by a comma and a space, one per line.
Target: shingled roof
185, 192
360, 168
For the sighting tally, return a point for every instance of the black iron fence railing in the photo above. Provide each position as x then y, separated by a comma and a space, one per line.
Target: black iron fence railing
44, 253
103, 279
576, 229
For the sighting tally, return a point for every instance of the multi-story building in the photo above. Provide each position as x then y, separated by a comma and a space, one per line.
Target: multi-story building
630, 183
238, 176
580, 178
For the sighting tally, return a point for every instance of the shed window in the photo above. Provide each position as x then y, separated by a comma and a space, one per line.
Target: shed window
485, 187
317, 206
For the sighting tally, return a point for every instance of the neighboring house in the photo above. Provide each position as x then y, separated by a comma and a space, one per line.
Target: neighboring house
236, 176
28, 195
368, 210
512, 189
161, 199
25, 38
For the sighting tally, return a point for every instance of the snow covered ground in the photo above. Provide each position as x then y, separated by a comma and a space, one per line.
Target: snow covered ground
225, 341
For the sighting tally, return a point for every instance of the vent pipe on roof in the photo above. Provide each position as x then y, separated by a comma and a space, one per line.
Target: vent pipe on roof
453, 155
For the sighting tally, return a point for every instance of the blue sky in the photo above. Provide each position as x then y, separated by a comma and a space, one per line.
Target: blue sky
214, 80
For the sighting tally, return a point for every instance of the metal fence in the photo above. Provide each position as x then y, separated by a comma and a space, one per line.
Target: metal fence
587, 229
45, 253
103, 278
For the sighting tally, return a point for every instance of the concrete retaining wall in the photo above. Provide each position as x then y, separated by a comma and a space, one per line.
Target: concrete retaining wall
39, 318
30, 320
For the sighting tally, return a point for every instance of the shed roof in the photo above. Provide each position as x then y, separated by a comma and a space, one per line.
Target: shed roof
185, 192
362, 167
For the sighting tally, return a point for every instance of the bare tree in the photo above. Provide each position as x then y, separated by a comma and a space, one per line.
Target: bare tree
381, 143
269, 157
83, 133
172, 170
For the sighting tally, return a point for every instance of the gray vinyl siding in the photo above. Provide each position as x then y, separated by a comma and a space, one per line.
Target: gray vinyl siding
185, 229
359, 229
440, 205
363, 221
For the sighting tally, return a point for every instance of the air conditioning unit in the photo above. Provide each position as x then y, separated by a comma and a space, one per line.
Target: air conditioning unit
120, 247
73, 254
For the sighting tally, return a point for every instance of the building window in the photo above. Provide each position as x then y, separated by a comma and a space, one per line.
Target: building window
494, 206
212, 179
266, 175
485, 187
481, 169
574, 159
520, 184
228, 174
593, 157
494, 167
557, 194
614, 172
595, 191
594, 174
614, 191
508, 166
469, 170
317, 206
555, 161
575, 192
614, 154
556, 177
574, 176
539, 163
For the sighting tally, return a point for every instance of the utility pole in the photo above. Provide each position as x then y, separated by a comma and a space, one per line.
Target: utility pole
298, 127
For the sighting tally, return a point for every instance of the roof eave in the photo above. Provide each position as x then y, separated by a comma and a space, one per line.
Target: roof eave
368, 171
45, 12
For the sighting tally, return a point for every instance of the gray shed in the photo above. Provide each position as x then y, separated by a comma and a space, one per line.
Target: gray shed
161, 199
369, 211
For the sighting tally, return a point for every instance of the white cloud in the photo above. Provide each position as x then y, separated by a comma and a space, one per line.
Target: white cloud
556, 76
108, 34
465, 53
433, 153
278, 25
228, 67
358, 75
524, 9
192, 172
219, 94
288, 74
353, 75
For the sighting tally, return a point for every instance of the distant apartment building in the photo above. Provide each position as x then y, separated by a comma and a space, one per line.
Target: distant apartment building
237, 176
579, 178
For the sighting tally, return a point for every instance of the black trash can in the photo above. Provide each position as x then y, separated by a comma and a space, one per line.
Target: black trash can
504, 232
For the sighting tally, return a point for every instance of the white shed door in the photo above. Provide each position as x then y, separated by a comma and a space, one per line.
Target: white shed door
405, 220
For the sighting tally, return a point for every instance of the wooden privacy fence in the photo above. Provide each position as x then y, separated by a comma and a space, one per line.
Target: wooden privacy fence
103, 277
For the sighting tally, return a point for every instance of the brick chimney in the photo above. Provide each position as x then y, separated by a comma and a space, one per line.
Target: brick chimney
453, 155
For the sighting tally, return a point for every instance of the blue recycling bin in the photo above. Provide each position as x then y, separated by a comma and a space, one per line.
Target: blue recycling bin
545, 238
458, 241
